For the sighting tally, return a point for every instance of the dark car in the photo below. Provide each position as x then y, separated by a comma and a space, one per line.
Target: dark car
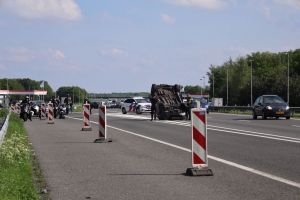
270, 106
95, 105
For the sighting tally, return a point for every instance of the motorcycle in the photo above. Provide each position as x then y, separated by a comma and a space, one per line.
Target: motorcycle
67, 108
35, 109
25, 112
55, 110
62, 111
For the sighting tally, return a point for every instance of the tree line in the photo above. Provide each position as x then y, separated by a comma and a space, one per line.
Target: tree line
270, 74
78, 94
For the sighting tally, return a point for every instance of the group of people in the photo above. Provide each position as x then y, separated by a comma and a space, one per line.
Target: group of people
67, 101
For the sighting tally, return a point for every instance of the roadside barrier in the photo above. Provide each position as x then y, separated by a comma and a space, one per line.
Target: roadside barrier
12, 107
18, 109
50, 113
199, 144
43, 111
86, 118
102, 126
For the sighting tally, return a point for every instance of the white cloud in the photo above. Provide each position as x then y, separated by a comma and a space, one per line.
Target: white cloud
166, 18
20, 54
38, 9
56, 54
20, 50
206, 4
113, 52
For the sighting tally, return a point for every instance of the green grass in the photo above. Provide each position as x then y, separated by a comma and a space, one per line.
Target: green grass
20, 177
79, 108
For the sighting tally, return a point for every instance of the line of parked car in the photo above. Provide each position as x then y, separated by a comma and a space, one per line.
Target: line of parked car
108, 104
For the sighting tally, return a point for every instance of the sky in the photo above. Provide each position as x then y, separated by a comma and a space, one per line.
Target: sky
126, 46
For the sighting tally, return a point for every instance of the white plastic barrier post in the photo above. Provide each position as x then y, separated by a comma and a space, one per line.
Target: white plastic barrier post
50, 113
86, 118
18, 109
12, 107
43, 111
102, 126
199, 144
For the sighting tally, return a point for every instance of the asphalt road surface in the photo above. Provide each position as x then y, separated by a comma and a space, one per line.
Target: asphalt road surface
250, 159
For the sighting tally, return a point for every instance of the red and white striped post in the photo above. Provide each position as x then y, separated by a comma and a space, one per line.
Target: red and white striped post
18, 109
43, 111
102, 126
50, 113
12, 107
199, 144
86, 117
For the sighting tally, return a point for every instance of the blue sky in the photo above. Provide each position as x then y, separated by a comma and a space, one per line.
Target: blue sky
126, 46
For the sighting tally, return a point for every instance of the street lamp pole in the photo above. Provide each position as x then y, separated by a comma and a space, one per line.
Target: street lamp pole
251, 84
288, 79
213, 85
201, 86
227, 86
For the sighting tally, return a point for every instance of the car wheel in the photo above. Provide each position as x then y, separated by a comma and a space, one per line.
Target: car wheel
138, 111
123, 111
254, 114
288, 117
277, 117
263, 115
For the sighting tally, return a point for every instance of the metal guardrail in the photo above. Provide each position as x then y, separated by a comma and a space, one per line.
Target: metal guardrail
293, 110
3, 129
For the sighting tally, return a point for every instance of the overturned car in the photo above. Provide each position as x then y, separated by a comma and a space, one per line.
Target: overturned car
170, 104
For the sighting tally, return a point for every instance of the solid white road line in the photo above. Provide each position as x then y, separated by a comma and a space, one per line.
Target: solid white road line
270, 176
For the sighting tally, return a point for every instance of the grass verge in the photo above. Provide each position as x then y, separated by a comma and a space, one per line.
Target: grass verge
20, 177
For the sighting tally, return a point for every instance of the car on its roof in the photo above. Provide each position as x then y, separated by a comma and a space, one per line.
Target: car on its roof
138, 105
270, 106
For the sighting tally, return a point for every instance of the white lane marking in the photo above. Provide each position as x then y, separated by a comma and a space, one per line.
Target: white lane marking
270, 176
243, 120
239, 133
232, 129
250, 116
296, 126
219, 128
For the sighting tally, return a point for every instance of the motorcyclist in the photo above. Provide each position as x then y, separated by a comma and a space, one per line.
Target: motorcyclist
24, 103
58, 101
68, 102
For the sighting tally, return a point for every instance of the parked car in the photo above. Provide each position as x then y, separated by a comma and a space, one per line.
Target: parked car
138, 105
270, 106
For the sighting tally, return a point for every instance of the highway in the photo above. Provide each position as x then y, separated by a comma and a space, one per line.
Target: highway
250, 159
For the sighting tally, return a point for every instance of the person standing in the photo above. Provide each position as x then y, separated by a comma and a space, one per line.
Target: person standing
58, 101
154, 100
68, 102
189, 101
